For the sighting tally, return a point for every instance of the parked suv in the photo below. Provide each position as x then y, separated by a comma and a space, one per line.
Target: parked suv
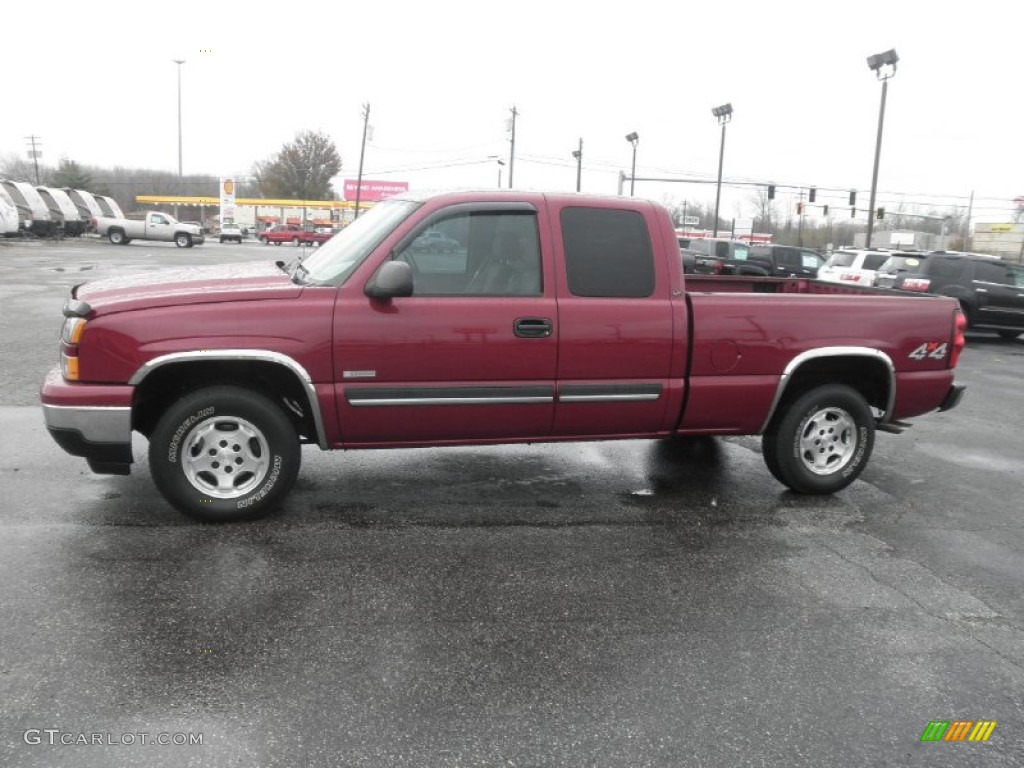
853, 266
895, 265
990, 289
784, 261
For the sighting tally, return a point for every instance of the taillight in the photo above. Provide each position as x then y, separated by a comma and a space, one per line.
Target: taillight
959, 341
93, 222
719, 266
916, 284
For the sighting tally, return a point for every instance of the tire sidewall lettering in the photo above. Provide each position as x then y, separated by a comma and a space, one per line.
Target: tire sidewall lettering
175, 442
267, 487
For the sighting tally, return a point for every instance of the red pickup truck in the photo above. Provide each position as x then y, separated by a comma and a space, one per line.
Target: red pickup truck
556, 317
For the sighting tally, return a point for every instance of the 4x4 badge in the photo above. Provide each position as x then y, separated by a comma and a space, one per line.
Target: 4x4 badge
936, 350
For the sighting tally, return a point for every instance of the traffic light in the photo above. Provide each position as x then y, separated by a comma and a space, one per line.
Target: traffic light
853, 197
799, 209
771, 191
811, 194
880, 214
824, 210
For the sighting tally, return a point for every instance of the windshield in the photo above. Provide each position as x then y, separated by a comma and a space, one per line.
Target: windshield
338, 257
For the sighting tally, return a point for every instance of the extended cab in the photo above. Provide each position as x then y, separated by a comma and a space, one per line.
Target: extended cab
557, 317
152, 226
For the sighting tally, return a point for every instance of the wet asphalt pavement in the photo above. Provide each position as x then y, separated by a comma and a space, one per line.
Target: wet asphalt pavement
596, 604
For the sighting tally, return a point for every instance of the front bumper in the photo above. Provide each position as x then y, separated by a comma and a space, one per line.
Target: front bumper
100, 434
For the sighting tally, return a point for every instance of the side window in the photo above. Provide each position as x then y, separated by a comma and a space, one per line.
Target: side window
992, 273
875, 260
721, 250
1017, 276
787, 257
478, 253
158, 219
740, 252
607, 253
951, 268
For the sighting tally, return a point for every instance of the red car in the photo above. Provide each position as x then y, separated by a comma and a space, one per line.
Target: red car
284, 233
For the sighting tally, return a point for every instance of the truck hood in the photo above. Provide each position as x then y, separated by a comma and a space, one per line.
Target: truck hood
253, 281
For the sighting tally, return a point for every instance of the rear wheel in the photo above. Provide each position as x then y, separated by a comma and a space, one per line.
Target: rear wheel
820, 442
116, 236
224, 453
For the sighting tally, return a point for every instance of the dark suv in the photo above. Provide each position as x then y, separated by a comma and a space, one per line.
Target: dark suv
728, 258
990, 289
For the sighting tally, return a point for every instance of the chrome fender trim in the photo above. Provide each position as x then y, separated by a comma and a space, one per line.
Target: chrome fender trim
262, 355
814, 354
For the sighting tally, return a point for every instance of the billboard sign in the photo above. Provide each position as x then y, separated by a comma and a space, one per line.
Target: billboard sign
373, 191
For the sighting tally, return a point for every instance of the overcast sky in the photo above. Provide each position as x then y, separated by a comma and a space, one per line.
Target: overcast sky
98, 85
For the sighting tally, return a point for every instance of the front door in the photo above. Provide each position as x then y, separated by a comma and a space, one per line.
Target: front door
471, 355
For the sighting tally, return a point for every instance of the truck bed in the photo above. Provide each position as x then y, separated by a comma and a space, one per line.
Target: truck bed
752, 284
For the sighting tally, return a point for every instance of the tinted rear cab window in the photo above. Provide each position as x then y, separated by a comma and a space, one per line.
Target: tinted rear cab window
607, 253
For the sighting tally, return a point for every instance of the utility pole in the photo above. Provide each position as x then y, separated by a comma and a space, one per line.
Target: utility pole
512, 148
179, 62
362, 152
34, 154
967, 224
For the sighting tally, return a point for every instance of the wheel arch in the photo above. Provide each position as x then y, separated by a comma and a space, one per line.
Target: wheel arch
869, 371
164, 379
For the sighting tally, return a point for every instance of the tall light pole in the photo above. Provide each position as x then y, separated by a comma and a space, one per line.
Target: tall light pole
500, 164
578, 154
179, 62
634, 139
724, 115
884, 67
362, 152
512, 143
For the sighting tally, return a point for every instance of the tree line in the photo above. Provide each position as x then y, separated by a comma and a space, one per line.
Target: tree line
301, 169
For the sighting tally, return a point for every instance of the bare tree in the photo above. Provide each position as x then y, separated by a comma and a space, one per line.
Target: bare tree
302, 169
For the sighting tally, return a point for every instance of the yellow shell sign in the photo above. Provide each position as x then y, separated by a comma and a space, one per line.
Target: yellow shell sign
229, 187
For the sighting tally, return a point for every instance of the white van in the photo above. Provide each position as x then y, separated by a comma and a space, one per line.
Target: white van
106, 201
86, 204
63, 210
8, 217
24, 193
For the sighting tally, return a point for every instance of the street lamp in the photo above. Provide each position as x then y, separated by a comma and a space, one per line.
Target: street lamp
578, 154
500, 164
634, 139
724, 116
884, 67
179, 62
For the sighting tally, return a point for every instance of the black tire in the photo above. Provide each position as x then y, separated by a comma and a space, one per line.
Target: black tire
833, 458
183, 240
116, 236
1010, 335
254, 461
277, 242
222, 241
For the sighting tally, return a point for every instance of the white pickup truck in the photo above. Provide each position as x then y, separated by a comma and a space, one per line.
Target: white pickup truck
153, 226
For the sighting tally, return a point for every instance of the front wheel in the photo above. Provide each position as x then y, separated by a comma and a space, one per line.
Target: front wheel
822, 441
183, 240
224, 453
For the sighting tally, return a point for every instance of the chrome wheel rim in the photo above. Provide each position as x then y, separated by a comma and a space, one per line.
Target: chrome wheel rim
225, 457
828, 441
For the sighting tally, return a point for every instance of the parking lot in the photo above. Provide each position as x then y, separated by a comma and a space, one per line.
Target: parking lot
598, 604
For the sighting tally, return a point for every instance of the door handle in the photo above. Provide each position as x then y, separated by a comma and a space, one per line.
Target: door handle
532, 327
